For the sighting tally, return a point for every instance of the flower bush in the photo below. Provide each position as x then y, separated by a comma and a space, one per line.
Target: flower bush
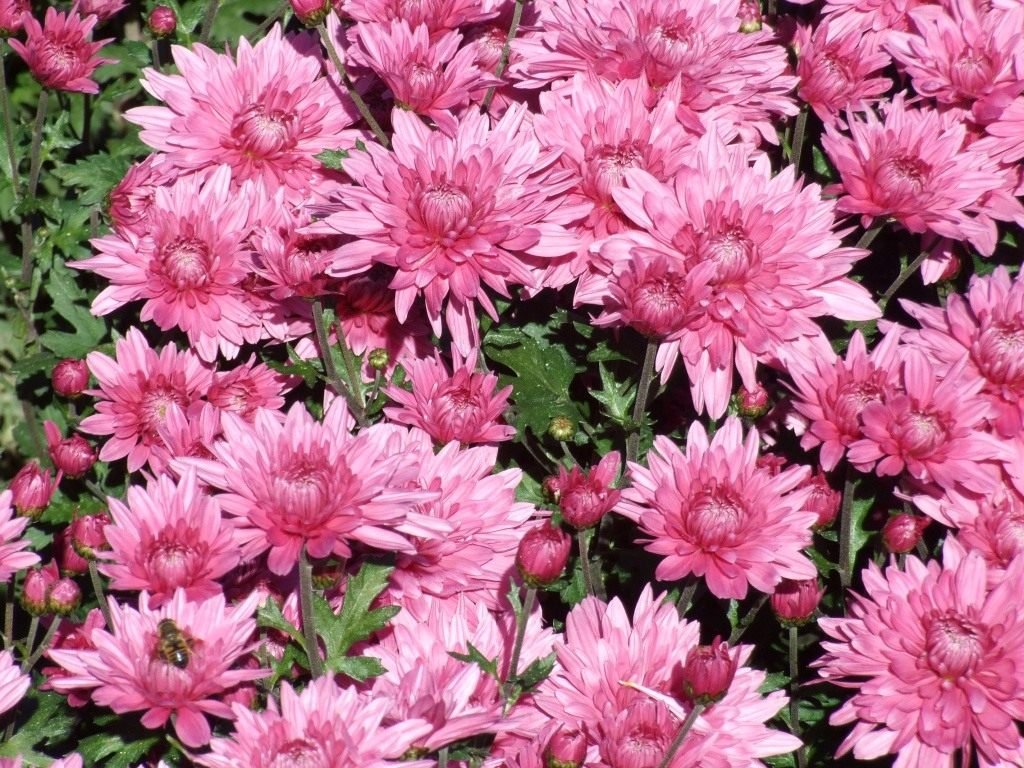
507, 384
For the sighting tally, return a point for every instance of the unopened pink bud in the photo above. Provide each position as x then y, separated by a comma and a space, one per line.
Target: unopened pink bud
794, 602
87, 534
162, 22
543, 553
73, 456
70, 377
35, 592
567, 749
585, 497
71, 563
311, 12
32, 489
753, 404
901, 532
65, 597
750, 16
824, 500
708, 672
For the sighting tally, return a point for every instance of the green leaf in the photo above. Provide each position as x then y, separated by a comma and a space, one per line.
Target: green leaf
308, 370
356, 621
542, 375
269, 615
474, 656
358, 667
93, 176
536, 673
617, 398
112, 750
66, 295
47, 720
332, 158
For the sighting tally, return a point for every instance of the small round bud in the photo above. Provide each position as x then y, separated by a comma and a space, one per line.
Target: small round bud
706, 675
824, 500
162, 22
902, 531
795, 602
73, 456
586, 497
32, 489
567, 749
750, 16
379, 359
70, 377
71, 563
562, 428
65, 597
87, 535
35, 591
311, 12
542, 555
752, 404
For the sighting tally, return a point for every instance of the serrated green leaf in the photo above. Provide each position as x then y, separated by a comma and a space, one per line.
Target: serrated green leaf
357, 667
474, 656
542, 375
616, 397
308, 370
42, 361
356, 621
332, 159
41, 718
536, 673
112, 750
93, 177
269, 615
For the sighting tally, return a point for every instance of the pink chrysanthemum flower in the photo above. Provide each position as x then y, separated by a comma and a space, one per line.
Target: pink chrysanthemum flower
988, 325
915, 167
831, 392
712, 512
871, 15
266, 112
188, 265
470, 217
483, 524
169, 536
632, 728
303, 483
130, 200
936, 660
135, 390
13, 558
104, 9
464, 406
325, 725
1005, 139
760, 258
248, 388
964, 55
12, 16
129, 671
742, 76
839, 70
428, 77
13, 682
188, 433
59, 53
438, 15
928, 428
456, 697
600, 130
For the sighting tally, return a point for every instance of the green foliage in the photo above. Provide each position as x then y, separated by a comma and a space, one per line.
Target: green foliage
473, 655
69, 302
42, 719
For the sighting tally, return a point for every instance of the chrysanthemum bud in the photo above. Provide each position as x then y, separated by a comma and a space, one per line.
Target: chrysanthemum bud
311, 12
794, 602
32, 489
562, 428
585, 498
543, 553
551, 488
70, 377
952, 268
567, 749
752, 404
73, 456
162, 22
379, 359
902, 531
706, 675
87, 535
71, 563
65, 597
35, 592
750, 16
824, 500
12, 16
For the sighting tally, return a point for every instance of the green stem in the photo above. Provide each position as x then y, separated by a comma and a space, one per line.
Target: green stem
589, 582
506, 52
97, 588
9, 614
355, 378
869, 235
846, 532
43, 644
798, 139
5, 112
330, 369
640, 405
154, 48
747, 620
364, 110
517, 646
268, 22
33, 181
687, 595
316, 665
30, 639
442, 758
681, 736
794, 690
902, 277
211, 14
